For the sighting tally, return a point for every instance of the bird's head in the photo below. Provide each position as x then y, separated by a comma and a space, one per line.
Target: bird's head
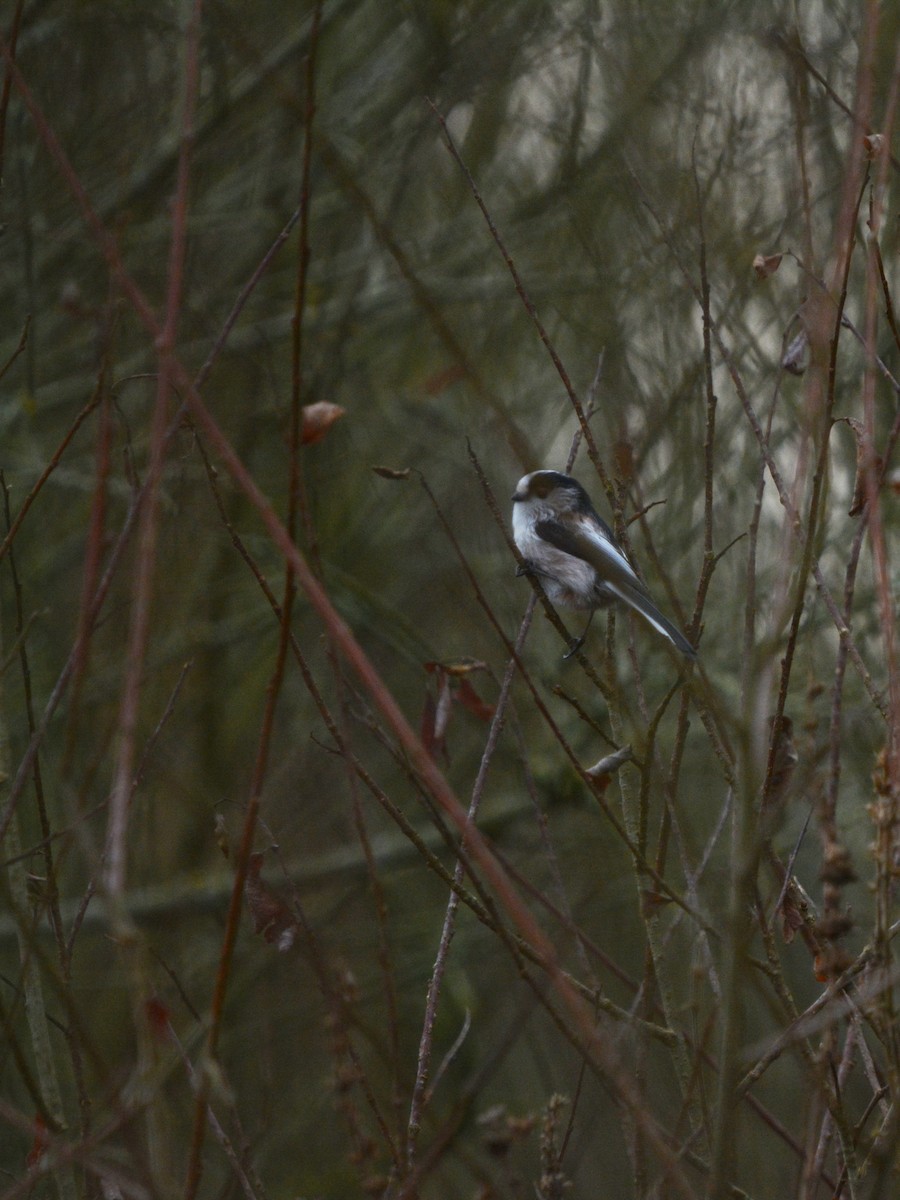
561, 491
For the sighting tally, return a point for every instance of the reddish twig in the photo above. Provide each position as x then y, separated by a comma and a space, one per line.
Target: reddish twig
148, 531
12, 39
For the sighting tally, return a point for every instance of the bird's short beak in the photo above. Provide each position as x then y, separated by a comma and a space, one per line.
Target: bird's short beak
516, 497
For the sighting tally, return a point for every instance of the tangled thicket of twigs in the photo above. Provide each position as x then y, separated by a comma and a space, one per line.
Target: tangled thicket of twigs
322, 874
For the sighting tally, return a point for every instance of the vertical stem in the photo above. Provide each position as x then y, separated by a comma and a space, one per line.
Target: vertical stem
31, 981
139, 629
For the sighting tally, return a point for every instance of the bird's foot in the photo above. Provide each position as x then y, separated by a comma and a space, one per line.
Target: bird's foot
574, 646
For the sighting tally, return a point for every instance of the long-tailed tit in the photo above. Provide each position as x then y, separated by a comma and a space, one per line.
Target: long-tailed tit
575, 555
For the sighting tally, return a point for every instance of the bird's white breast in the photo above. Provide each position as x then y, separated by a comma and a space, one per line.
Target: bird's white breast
567, 580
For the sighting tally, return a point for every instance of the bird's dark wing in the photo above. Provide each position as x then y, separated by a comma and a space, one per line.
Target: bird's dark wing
595, 545
592, 541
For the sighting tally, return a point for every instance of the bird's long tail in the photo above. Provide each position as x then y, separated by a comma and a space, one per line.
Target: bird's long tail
641, 603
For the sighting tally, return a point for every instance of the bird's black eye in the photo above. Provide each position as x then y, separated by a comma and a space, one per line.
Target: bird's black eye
541, 486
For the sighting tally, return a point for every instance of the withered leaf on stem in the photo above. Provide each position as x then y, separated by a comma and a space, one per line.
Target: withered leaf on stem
426, 727
442, 714
436, 718
436, 714
317, 420
271, 916
766, 264
392, 472
472, 702
221, 835
796, 909
860, 491
791, 919
784, 758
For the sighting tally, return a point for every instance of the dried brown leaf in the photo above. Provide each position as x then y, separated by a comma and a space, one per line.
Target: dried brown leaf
221, 835
318, 418
784, 758
271, 916
765, 265
860, 491
426, 726
392, 472
472, 702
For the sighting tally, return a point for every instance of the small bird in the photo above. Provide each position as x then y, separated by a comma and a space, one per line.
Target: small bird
574, 553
